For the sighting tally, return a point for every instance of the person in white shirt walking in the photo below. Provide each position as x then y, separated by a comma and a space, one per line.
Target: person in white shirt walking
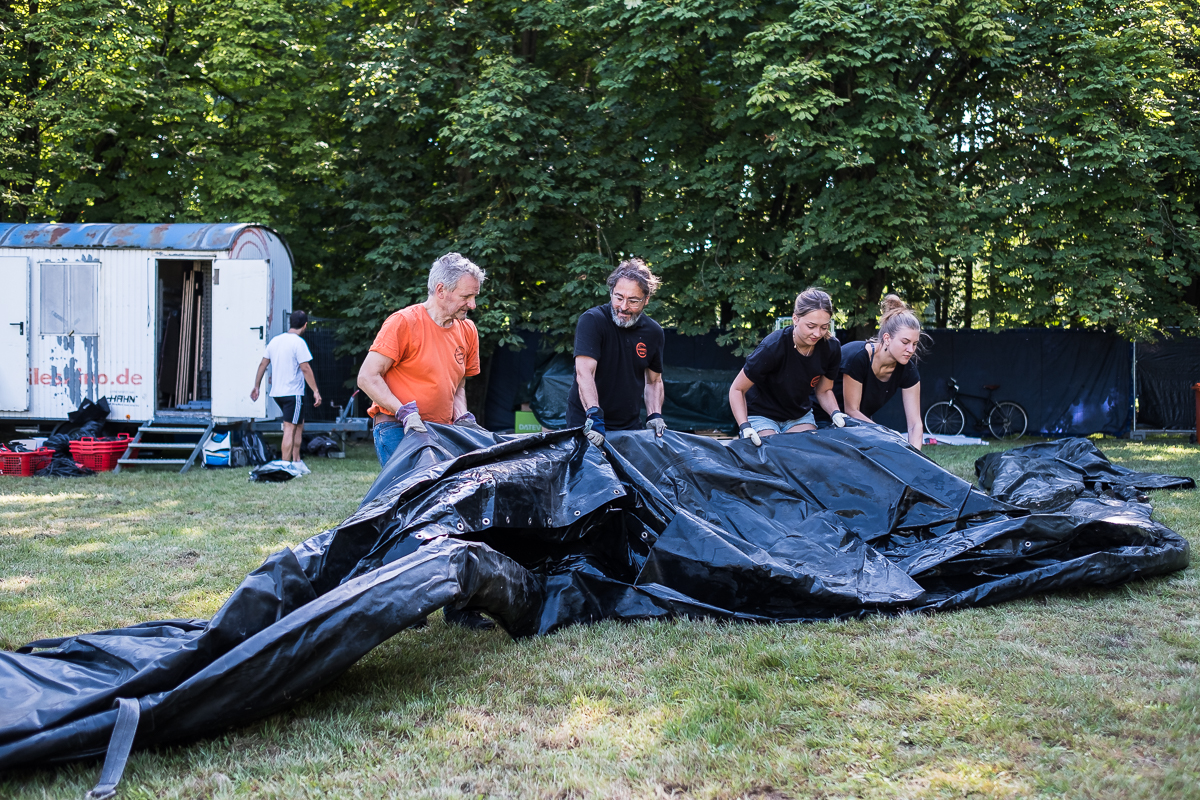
289, 358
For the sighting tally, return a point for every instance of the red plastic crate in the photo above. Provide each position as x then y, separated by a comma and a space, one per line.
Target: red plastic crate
24, 464
98, 454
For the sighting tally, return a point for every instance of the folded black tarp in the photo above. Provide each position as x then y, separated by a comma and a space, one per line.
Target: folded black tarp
545, 530
1048, 476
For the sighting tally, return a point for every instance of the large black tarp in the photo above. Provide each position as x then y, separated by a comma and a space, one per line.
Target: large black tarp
543, 531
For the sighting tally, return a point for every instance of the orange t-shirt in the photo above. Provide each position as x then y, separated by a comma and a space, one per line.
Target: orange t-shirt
428, 361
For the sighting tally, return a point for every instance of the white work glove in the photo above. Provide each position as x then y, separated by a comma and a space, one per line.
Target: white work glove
411, 418
839, 419
747, 432
656, 423
593, 429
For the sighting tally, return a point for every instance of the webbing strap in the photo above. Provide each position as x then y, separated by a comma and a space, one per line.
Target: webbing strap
129, 711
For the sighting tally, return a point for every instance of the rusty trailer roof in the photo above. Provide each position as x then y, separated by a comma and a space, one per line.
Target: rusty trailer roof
145, 236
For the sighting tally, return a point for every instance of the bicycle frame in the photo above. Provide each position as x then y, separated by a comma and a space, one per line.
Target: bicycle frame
1005, 419
978, 420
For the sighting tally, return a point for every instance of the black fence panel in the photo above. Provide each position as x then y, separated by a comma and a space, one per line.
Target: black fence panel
1166, 370
335, 376
697, 361
1070, 383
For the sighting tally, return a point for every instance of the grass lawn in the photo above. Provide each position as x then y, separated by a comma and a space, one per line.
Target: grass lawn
1089, 694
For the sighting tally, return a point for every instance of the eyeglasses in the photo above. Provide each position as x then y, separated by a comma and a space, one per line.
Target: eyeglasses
629, 301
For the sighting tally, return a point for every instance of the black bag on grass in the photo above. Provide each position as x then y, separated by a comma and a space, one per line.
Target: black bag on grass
257, 450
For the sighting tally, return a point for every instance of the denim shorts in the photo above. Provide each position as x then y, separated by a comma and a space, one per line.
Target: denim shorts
764, 424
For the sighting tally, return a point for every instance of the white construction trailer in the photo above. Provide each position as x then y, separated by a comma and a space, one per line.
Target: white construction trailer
160, 319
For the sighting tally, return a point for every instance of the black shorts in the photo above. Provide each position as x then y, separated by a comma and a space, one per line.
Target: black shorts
292, 408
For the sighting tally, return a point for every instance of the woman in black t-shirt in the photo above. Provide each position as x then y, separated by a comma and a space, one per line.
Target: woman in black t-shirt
873, 372
772, 392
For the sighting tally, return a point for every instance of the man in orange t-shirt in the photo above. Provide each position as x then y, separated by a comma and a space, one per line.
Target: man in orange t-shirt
417, 368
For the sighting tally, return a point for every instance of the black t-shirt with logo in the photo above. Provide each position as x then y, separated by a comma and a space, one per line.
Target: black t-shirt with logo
623, 355
784, 379
856, 362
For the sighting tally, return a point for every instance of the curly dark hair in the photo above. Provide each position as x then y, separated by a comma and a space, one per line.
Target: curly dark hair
634, 269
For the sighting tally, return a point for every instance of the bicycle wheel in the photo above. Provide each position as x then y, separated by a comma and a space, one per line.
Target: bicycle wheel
1007, 421
944, 419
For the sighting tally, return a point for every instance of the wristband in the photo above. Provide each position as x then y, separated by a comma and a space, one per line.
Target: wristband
655, 415
595, 420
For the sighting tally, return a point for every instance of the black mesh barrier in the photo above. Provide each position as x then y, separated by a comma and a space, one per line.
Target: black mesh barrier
1166, 370
697, 372
1070, 383
336, 376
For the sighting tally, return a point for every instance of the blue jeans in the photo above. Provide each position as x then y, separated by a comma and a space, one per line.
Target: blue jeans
387, 435
764, 424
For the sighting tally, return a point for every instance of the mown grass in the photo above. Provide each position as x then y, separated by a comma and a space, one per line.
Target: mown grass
1084, 694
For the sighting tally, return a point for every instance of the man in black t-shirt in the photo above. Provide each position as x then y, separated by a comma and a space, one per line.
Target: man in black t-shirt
618, 359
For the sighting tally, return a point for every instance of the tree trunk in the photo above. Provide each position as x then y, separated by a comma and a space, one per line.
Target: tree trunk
943, 307
968, 290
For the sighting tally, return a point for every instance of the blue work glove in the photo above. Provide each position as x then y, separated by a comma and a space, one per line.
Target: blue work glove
747, 432
411, 418
593, 429
656, 423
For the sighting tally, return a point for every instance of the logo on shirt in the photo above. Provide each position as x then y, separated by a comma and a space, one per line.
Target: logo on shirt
641, 349
815, 381
460, 355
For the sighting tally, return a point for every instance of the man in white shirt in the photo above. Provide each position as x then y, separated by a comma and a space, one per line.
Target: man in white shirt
289, 358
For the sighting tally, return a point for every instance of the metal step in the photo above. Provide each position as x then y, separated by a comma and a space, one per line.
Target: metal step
138, 443
144, 445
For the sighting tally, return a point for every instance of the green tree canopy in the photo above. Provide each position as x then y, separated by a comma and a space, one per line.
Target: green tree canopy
998, 163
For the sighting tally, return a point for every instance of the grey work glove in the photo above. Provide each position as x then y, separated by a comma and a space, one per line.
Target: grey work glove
747, 432
656, 423
467, 420
593, 429
839, 419
411, 418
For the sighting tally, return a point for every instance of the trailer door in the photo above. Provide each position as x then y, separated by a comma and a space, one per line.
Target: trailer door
241, 303
14, 333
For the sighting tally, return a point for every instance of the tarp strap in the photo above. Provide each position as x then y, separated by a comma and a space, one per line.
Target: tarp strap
129, 711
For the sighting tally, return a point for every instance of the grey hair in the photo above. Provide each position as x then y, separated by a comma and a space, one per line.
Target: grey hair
634, 269
449, 270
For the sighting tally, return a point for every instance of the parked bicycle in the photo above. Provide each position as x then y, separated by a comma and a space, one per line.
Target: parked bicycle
1005, 419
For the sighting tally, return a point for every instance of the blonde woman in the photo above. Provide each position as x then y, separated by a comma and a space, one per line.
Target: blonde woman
773, 392
875, 371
